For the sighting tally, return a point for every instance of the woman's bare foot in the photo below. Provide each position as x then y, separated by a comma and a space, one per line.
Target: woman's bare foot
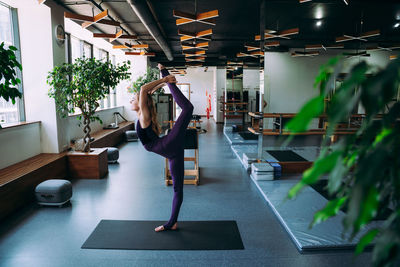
161, 228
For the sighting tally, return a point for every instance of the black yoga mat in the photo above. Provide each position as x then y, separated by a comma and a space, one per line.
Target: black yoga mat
248, 136
140, 235
286, 155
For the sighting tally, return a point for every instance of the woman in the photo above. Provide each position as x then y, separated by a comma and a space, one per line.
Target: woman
169, 146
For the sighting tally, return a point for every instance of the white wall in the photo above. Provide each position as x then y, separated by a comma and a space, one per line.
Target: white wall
59, 52
138, 68
219, 87
36, 31
251, 83
19, 143
200, 81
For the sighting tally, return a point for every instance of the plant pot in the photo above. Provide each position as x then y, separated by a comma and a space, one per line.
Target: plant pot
88, 165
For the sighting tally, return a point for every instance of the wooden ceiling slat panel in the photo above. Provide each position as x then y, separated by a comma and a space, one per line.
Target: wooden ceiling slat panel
207, 15
117, 35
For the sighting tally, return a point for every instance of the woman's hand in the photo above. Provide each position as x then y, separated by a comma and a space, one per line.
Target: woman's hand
157, 87
170, 79
160, 66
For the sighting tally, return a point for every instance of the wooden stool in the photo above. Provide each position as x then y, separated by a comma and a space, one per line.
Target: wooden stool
192, 143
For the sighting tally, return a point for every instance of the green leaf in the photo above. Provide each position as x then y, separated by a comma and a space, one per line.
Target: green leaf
331, 209
382, 134
295, 189
365, 240
8, 73
336, 176
362, 208
321, 166
310, 110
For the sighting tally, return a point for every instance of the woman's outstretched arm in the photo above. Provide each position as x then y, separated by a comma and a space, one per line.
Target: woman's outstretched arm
145, 117
157, 87
148, 87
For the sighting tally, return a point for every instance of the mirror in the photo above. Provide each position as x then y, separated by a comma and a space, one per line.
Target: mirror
234, 108
260, 99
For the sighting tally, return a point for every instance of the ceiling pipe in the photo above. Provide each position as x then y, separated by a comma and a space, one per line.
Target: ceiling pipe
142, 10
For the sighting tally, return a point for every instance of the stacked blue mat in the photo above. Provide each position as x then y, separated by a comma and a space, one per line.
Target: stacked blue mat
277, 168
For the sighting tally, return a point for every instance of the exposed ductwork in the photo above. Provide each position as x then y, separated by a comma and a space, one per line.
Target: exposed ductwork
142, 10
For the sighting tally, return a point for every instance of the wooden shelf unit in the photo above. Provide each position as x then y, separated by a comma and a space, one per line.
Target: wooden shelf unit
349, 127
230, 114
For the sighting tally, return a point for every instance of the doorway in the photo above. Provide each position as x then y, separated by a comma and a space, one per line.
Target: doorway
185, 89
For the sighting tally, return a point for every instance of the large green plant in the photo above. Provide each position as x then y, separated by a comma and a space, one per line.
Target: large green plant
363, 168
151, 74
81, 85
8, 74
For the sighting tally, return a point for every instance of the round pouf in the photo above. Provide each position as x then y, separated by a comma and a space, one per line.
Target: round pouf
112, 154
53, 192
131, 136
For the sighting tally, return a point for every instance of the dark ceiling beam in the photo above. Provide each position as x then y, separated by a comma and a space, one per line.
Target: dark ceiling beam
142, 10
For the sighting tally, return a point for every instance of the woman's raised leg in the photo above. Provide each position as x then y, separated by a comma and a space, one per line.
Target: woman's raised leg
178, 130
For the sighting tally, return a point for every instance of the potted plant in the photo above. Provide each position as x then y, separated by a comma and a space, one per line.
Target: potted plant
8, 74
81, 85
364, 167
151, 74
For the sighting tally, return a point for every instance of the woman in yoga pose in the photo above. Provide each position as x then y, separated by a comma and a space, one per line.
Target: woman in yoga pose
169, 146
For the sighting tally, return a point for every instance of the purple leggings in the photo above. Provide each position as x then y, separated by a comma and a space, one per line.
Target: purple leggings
171, 147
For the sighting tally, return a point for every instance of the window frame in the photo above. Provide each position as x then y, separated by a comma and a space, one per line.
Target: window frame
106, 102
19, 102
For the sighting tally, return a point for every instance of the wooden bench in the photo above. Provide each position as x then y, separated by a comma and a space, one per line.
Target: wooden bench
111, 137
18, 181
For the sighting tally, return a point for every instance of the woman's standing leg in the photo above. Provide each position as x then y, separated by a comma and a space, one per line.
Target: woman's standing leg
177, 170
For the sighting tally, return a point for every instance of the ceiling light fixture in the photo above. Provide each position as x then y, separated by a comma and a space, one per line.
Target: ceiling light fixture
319, 12
396, 25
346, 2
319, 23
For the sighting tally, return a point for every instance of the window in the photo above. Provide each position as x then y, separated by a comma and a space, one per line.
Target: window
9, 112
75, 48
87, 50
106, 102
78, 49
103, 55
113, 92
96, 52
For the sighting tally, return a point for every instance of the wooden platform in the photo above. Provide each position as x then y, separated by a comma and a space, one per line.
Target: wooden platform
111, 137
18, 181
93, 165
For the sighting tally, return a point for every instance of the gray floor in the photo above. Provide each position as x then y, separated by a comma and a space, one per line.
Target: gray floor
135, 190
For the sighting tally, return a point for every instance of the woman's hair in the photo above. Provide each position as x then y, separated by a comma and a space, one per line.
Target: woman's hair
153, 114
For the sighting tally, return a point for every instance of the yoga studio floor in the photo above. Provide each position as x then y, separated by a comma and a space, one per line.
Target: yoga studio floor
135, 190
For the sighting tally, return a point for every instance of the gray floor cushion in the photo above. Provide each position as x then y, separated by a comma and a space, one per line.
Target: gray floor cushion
131, 136
53, 192
112, 154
